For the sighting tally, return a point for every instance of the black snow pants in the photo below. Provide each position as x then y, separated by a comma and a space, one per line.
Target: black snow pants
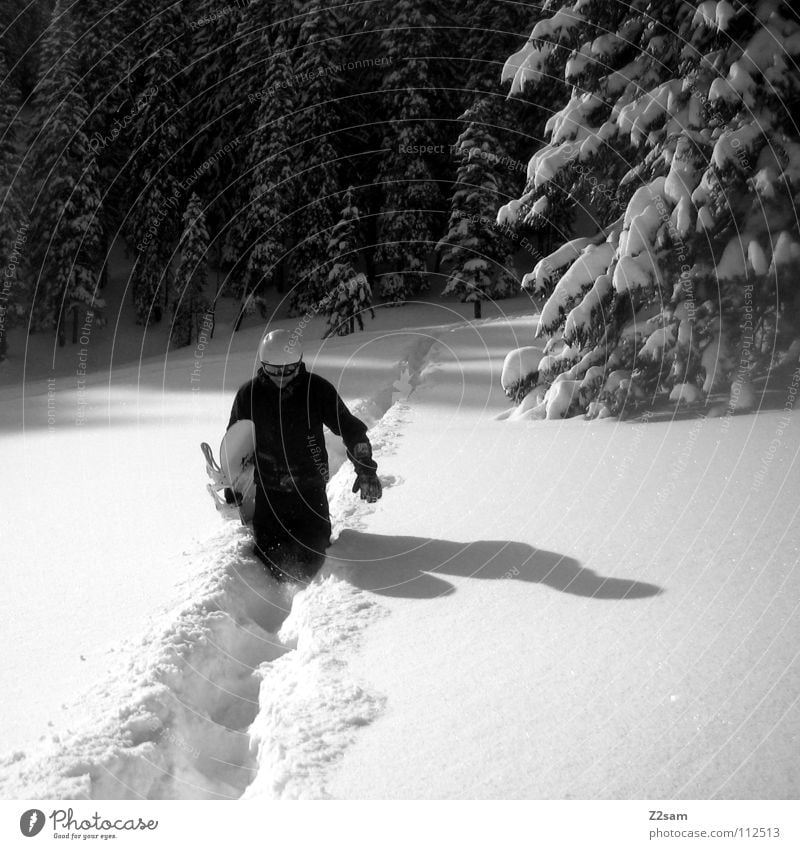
292, 530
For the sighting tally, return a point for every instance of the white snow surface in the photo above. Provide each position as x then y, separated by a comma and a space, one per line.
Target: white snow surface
535, 609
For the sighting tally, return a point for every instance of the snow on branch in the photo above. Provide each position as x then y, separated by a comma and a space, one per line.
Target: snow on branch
689, 133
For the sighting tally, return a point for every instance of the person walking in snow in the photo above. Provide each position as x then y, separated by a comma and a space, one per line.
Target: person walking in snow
289, 406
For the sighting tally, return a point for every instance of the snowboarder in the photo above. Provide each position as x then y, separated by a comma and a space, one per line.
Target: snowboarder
289, 405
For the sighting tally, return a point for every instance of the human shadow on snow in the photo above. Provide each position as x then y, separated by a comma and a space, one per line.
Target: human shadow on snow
411, 567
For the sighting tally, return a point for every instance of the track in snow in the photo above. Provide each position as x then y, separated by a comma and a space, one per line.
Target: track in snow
243, 690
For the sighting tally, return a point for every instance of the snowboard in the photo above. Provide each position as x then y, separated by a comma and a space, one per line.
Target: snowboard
235, 471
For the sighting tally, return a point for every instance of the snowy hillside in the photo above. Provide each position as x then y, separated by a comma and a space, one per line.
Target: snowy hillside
473, 634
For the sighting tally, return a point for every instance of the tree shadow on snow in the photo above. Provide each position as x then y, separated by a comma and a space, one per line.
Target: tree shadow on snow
410, 567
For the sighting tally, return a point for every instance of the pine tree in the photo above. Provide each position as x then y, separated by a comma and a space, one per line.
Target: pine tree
477, 254
106, 49
317, 83
13, 216
65, 224
105, 52
674, 123
251, 44
489, 30
349, 294
408, 217
191, 274
23, 25
155, 172
270, 174
220, 112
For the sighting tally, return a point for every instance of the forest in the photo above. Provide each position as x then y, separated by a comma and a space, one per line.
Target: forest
252, 137
632, 166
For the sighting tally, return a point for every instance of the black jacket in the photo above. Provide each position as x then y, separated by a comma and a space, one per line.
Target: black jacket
290, 446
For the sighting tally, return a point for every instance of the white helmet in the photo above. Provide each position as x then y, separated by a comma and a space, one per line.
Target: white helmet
280, 348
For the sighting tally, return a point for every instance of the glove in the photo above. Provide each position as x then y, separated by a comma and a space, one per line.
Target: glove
370, 486
366, 473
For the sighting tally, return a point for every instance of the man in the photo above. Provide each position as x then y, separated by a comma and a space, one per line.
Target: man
289, 407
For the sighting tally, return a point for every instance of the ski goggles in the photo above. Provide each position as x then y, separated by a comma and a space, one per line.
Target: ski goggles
281, 371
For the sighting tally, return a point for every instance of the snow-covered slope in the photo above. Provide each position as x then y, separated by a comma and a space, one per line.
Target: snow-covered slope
534, 609
104, 487
579, 610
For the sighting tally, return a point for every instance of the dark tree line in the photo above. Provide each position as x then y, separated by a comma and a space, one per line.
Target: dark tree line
127, 122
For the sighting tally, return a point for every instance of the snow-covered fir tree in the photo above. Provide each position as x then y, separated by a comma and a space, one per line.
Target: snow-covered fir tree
106, 47
23, 24
349, 293
674, 122
487, 157
316, 80
105, 50
252, 54
477, 254
252, 32
65, 226
220, 111
190, 274
488, 30
270, 173
155, 171
14, 223
408, 220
